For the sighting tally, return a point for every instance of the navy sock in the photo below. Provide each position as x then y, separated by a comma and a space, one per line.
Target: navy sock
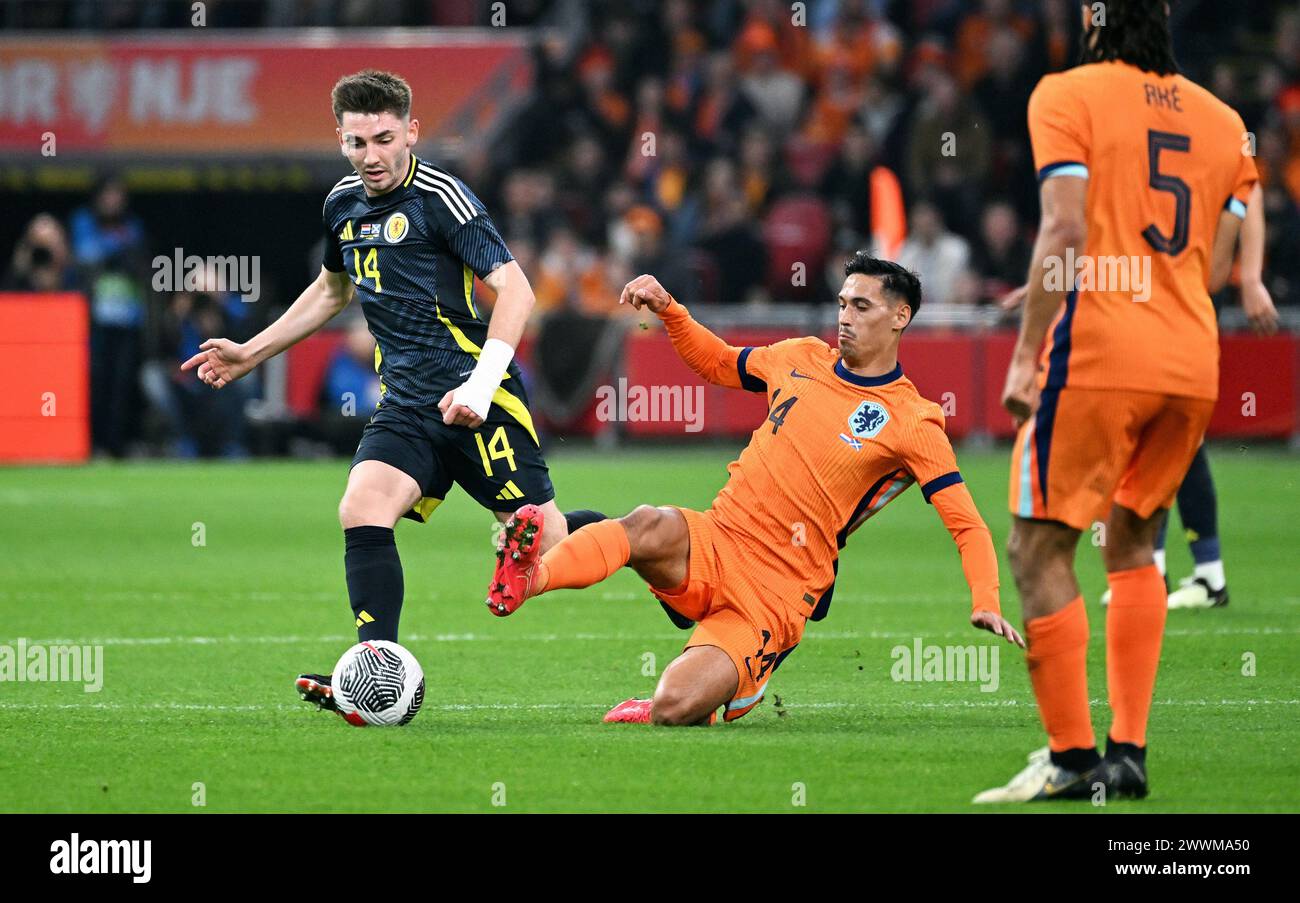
580, 518
1199, 510
375, 586
1079, 760
1117, 750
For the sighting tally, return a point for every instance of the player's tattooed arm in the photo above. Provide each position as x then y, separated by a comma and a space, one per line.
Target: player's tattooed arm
1063, 225
221, 361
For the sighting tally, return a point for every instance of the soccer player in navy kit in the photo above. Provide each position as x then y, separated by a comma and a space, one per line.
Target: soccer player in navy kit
408, 238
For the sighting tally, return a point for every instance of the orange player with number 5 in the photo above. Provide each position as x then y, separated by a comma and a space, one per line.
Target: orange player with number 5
1142, 173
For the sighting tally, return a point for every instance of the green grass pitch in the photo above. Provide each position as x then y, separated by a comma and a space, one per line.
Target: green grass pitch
201, 643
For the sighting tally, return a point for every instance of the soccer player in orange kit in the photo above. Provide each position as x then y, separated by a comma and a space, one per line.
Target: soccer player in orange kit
845, 434
1145, 173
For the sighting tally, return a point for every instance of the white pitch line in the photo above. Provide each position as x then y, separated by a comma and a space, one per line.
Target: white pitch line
338, 638
1012, 703
584, 637
552, 706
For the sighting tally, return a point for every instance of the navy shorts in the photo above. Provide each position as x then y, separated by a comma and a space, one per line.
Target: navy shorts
499, 464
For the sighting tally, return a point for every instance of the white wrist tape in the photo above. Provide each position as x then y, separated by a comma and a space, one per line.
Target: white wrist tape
477, 391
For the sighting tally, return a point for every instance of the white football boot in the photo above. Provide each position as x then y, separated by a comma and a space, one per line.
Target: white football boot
1040, 780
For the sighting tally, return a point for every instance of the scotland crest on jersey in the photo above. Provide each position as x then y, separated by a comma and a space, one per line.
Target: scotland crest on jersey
395, 228
868, 420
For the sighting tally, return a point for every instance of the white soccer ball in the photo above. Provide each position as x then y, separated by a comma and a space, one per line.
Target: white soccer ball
378, 682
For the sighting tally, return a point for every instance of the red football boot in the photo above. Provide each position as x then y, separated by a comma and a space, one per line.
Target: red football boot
633, 711
516, 561
637, 711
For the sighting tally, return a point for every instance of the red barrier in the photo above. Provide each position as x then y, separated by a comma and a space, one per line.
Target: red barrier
44, 378
308, 361
1257, 387
944, 369
1258, 393
996, 358
651, 361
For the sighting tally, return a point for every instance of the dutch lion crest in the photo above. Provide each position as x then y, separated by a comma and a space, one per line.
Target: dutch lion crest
868, 420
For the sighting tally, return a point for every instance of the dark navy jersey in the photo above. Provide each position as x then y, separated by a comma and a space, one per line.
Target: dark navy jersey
412, 254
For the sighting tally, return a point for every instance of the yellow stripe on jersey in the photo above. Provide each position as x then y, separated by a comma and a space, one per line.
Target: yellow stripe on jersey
509, 403
456, 333
411, 175
515, 408
469, 289
379, 359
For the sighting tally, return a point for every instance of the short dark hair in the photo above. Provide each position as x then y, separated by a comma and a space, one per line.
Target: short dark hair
895, 279
371, 91
1136, 32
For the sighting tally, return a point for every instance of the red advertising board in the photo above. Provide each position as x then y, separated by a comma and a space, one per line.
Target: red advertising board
1258, 394
44, 378
206, 95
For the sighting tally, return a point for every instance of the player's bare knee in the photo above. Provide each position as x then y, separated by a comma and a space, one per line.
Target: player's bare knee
348, 514
361, 509
640, 522
1130, 539
1019, 555
673, 708
646, 534
1127, 553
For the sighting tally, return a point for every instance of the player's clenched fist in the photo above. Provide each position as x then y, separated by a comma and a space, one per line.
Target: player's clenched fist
646, 292
220, 361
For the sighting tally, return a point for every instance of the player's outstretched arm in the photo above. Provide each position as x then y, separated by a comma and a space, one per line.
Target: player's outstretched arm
221, 361
979, 559
709, 356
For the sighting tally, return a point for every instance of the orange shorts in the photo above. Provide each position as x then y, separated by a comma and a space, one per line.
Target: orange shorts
1085, 449
736, 604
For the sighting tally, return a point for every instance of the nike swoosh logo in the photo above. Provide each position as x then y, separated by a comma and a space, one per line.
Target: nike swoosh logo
797, 375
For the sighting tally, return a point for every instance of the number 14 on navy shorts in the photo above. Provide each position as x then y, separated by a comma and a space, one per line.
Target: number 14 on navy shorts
499, 464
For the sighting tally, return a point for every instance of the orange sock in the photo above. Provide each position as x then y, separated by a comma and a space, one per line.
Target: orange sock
584, 557
1135, 626
1058, 669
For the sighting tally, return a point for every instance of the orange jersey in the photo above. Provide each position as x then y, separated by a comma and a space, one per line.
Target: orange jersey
834, 450
1163, 158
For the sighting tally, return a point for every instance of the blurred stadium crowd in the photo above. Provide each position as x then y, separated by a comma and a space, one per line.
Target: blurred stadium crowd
733, 148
